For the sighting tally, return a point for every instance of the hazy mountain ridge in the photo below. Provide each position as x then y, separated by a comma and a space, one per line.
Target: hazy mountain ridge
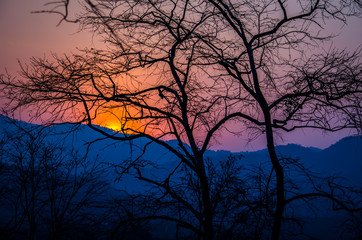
345, 156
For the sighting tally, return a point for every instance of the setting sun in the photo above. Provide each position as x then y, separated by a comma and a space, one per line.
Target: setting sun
119, 120
113, 126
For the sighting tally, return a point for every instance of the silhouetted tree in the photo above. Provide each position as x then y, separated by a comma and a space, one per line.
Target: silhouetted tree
183, 69
280, 84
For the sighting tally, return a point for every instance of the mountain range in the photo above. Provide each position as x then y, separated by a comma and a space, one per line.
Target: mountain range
344, 158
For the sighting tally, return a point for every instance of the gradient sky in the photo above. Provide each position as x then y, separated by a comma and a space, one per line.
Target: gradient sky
23, 35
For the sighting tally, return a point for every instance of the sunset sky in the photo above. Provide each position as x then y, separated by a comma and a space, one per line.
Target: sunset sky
23, 35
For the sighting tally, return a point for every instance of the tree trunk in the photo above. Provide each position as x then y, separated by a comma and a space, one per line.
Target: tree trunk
208, 233
278, 214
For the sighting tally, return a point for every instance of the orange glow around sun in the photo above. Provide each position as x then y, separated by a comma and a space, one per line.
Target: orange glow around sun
118, 119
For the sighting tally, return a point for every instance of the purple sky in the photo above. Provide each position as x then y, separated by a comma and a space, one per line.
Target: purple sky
24, 35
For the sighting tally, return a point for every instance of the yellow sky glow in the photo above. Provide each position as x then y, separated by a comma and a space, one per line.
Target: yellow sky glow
118, 120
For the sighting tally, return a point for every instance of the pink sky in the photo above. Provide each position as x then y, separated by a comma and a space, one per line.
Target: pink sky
24, 35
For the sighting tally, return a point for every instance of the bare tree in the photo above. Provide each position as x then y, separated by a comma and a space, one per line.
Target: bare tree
296, 89
183, 69
170, 104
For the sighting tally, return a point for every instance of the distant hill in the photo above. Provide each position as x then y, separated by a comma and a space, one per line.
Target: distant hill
343, 158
